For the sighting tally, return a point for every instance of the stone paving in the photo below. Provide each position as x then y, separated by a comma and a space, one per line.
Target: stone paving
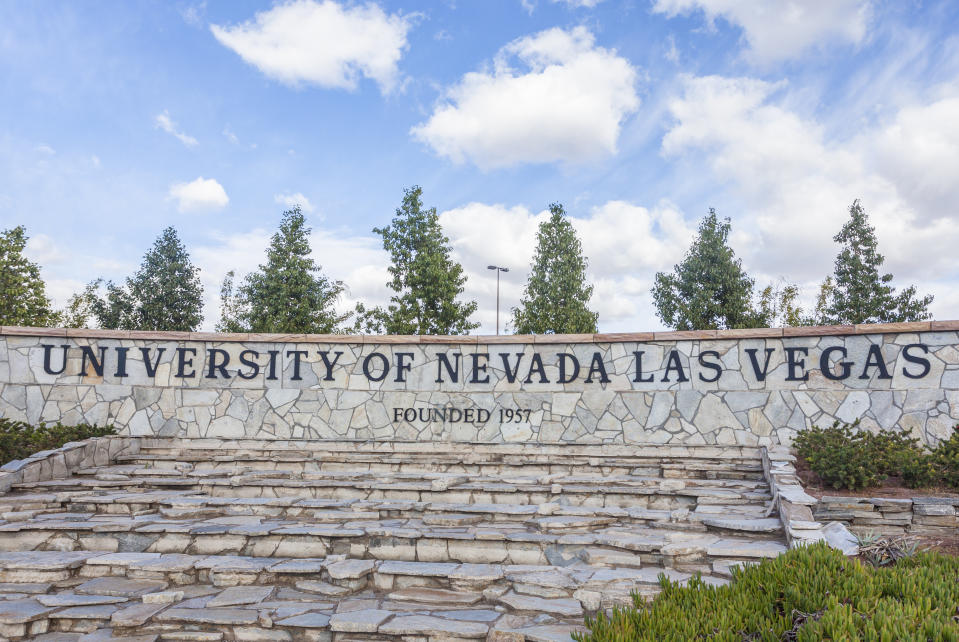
210, 540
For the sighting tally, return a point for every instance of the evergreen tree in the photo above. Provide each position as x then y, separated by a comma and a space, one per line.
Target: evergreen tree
556, 295
860, 293
287, 294
164, 294
166, 289
23, 298
709, 290
424, 277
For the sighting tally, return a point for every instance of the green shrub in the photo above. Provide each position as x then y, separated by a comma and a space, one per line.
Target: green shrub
945, 460
939, 467
891, 450
809, 593
19, 440
845, 457
919, 471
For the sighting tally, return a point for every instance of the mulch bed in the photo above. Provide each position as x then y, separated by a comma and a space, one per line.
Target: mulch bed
892, 487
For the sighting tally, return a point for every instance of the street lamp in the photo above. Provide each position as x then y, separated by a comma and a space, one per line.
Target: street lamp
498, 270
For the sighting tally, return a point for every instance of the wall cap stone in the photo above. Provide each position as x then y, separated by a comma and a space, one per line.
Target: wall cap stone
472, 339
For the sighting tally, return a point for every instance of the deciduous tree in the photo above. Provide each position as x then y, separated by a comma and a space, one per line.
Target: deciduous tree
425, 279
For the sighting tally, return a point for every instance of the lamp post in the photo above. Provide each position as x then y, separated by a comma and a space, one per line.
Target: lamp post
498, 270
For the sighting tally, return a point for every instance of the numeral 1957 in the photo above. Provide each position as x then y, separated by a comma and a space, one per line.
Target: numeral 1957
508, 415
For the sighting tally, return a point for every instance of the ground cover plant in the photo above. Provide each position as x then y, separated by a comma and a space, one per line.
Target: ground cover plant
844, 457
808, 593
19, 440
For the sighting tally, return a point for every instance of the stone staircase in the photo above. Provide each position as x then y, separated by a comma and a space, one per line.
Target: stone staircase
287, 540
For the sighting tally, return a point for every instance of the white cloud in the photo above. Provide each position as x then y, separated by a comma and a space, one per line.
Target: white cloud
794, 184
567, 105
782, 29
193, 14
45, 149
164, 122
672, 52
44, 250
230, 136
290, 201
199, 194
321, 43
919, 153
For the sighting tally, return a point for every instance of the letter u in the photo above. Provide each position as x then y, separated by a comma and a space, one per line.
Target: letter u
47, 349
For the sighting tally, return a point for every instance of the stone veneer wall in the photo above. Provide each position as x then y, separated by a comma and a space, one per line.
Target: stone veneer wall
925, 516
738, 408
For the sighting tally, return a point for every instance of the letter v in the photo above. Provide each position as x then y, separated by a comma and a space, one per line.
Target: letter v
760, 375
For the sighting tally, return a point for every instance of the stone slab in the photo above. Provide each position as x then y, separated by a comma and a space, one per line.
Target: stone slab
434, 627
120, 587
360, 621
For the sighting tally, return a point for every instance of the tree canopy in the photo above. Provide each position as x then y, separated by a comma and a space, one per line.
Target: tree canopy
164, 293
708, 290
557, 293
426, 281
859, 292
287, 294
23, 297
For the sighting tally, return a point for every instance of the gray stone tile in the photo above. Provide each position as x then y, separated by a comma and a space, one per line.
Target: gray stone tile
72, 599
306, 621
360, 621
231, 617
430, 626
237, 595
120, 587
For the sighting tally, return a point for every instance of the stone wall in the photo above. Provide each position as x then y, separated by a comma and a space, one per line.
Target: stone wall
924, 516
750, 387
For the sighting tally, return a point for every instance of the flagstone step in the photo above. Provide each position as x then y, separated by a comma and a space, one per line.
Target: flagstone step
135, 592
338, 575
664, 495
444, 479
541, 541
181, 474
116, 608
484, 450
349, 541
446, 453
456, 464
185, 505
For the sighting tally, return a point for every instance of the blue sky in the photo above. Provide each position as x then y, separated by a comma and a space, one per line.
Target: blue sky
118, 119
